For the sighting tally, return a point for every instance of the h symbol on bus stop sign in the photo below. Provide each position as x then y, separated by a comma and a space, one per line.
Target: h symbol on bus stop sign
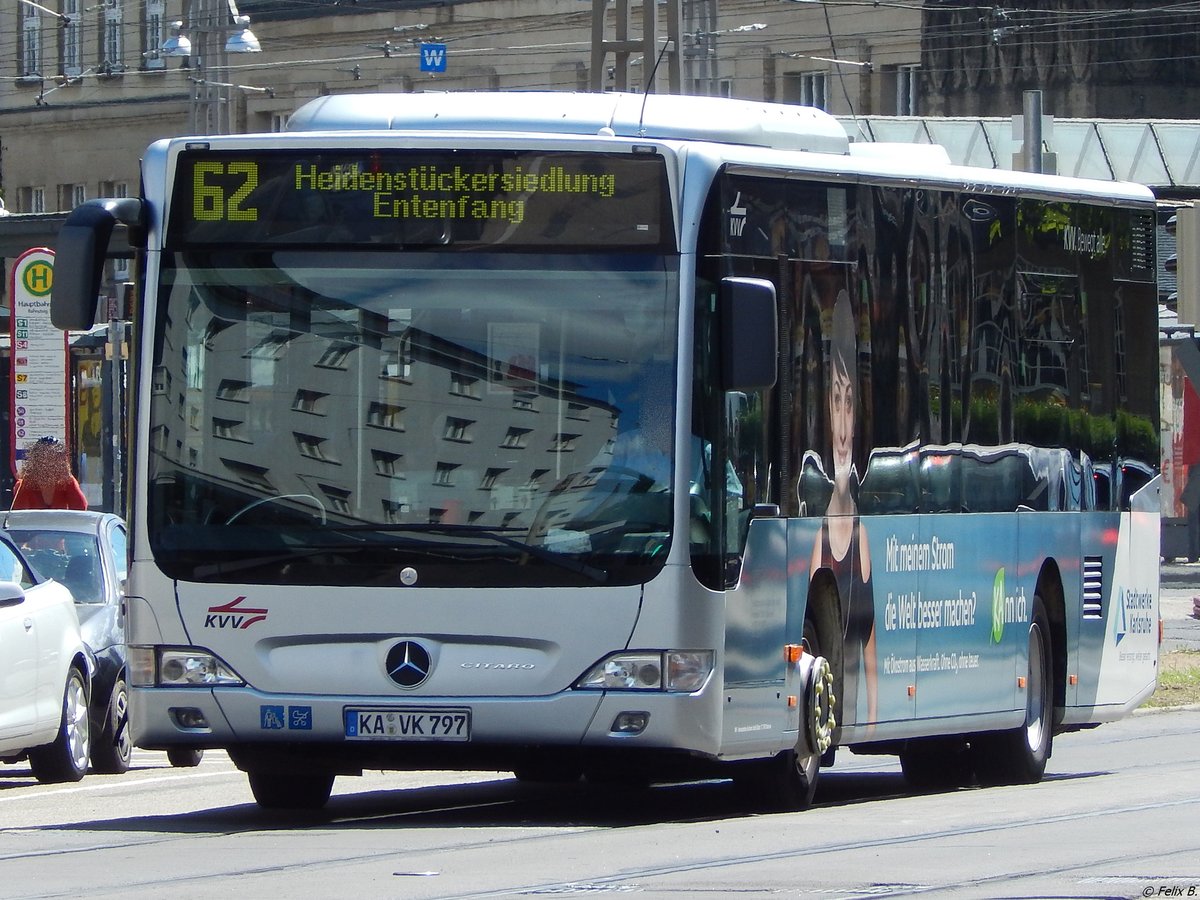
433, 57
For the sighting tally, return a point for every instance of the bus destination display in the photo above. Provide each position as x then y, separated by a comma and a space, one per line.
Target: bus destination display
418, 198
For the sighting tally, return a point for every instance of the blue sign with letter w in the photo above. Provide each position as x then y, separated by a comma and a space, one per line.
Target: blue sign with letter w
433, 57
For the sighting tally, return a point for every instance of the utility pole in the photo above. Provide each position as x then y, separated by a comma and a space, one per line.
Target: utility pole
623, 46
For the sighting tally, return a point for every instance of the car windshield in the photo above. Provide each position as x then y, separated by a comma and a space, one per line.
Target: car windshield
70, 557
483, 418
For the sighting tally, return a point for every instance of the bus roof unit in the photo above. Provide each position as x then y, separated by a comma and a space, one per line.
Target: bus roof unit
776, 125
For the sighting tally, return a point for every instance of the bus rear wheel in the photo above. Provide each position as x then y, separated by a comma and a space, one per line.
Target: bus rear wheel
1019, 755
275, 790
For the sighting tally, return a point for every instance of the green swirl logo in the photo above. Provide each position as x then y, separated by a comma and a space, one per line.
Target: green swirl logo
998, 607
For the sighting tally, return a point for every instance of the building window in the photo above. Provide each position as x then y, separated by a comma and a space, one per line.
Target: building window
227, 428
309, 401
457, 430
525, 400
563, 442
394, 511
444, 475
71, 195
31, 34
159, 438
255, 476
814, 90
152, 34
233, 390
72, 39
398, 363
907, 78
806, 89
112, 53
270, 347
385, 415
160, 382
387, 464
335, 356
37, 200
312, 446
337, 498
463, 385
490, 477
516, 438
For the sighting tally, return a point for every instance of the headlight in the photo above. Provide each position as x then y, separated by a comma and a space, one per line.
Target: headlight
178, 667
678, 671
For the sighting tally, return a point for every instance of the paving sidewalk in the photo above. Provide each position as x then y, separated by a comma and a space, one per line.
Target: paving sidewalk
1178, 592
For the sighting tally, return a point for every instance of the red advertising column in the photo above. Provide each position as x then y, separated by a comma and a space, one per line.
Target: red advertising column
40, 363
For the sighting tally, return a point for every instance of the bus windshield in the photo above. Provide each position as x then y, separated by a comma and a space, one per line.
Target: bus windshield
355, 417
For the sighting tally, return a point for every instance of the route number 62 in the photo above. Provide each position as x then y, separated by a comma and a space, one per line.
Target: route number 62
213, 200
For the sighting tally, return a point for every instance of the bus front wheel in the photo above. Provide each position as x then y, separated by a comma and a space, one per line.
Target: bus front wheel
788, 781
276, 790
1019, 755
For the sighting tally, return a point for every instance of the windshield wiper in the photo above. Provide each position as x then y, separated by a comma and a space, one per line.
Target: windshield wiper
555, 559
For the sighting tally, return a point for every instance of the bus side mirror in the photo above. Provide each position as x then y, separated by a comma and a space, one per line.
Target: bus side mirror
749, 334
79, 255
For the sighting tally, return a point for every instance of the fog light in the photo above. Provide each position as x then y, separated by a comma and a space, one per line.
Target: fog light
630, 722
188, 717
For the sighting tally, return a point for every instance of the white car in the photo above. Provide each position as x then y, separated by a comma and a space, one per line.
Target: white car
45, 673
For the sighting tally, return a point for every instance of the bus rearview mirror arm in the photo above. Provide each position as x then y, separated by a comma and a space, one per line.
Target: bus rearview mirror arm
749, 334
79, 255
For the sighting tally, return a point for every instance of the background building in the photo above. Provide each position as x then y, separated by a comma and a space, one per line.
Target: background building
85, 87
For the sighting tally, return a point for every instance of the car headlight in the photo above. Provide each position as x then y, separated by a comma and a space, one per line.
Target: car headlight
178, 667
677, 671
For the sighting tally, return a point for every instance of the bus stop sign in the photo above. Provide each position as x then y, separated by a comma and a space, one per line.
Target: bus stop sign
38, 402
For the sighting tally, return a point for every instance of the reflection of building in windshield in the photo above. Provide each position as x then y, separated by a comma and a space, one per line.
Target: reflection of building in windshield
417, 416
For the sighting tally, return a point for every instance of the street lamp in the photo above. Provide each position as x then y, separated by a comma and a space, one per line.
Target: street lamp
211, 100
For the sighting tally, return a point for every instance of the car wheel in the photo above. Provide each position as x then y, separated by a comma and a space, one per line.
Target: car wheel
185, 757
274, 790
66, 759
114, 748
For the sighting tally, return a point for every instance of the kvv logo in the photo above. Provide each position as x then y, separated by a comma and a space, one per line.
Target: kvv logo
234, 615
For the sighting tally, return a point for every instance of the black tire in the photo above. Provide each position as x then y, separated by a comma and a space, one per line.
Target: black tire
273, 790
1019, 755
937, 764
113, 750
787, 781
548, 773
66, 759
185, 757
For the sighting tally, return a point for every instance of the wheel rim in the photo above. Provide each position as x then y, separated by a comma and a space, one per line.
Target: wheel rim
120, 719
1035, 712
76, 723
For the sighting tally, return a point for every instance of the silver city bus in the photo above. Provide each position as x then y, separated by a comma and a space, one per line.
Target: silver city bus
631, 438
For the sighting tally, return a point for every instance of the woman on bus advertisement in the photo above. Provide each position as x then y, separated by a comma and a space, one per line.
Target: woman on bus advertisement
841, 545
